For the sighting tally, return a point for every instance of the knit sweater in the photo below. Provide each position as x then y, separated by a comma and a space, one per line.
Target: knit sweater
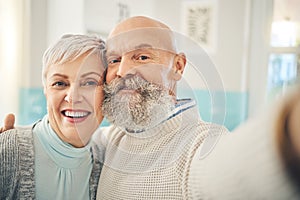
186, 158
152, 164
17, 171
244, 164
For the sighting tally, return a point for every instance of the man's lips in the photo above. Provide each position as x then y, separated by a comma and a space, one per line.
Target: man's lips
127, 89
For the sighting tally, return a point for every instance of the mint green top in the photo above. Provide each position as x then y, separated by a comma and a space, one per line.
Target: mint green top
61, 170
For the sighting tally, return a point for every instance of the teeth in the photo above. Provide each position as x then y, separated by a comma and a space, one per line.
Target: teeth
76, 114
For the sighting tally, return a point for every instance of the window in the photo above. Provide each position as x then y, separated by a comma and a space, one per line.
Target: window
284, 63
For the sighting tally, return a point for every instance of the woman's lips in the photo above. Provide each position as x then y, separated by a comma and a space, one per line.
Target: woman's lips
75, 116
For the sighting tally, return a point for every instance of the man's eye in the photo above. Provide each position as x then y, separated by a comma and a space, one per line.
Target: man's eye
143, 57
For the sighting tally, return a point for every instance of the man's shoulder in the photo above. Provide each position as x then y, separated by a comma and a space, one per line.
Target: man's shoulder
99, 131
209, 131
106, 131
103, 134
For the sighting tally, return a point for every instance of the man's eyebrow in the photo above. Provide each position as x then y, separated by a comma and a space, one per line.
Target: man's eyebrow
140, 46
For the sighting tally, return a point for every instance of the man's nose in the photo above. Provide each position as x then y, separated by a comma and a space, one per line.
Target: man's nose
73, 95
126, 67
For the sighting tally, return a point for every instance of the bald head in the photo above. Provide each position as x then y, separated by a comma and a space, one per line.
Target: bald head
137, 22
140, 31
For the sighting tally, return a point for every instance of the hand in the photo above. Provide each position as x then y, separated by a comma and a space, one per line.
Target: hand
9, 122
294, 127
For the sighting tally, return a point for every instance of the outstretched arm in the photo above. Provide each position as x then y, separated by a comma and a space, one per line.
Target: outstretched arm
288, 126
9, 122
258, 160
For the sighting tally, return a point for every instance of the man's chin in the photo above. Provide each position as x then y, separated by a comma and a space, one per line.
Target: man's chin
130, 125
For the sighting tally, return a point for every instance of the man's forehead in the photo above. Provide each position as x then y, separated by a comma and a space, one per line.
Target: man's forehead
155, 38
128, 47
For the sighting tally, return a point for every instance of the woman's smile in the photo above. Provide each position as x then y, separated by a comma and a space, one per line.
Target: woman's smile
75, 116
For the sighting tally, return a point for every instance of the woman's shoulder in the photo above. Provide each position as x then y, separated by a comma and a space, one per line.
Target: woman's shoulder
13, 136
9, 148
8, 136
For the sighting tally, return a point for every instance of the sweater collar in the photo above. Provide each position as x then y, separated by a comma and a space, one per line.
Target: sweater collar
171, 122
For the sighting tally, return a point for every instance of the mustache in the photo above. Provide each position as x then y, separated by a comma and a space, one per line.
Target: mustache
130, 82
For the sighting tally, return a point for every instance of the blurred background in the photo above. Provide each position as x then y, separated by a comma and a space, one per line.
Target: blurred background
254, 44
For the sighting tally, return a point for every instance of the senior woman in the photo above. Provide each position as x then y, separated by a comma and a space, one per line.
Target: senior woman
54, 159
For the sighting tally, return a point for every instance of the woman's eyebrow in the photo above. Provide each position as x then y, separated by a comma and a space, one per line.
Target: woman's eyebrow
60, 75
90, 73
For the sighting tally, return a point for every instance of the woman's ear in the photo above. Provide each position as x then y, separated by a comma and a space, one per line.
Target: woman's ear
179, 65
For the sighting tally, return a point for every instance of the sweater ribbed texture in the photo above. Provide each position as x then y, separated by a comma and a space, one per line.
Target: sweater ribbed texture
153, 164
244, 164
17, 170
17, 177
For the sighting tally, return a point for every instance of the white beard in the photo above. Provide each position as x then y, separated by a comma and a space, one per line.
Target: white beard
134, 104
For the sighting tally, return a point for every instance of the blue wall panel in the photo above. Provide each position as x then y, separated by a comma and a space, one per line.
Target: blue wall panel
32, 106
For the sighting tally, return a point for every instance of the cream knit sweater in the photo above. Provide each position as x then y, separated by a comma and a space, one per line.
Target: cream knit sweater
244, 164
186, 158
153, 164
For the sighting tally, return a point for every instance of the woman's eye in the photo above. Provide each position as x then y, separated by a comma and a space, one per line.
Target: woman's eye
113, 61
90, 83
59, 84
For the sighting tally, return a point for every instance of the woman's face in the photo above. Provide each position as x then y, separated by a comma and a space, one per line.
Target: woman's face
74, 98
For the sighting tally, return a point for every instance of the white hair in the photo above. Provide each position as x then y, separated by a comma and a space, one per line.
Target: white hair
70, 47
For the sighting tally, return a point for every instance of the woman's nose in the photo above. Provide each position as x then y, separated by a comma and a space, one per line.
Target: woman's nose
73, 95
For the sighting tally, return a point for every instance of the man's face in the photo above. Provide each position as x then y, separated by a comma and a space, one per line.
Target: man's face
133, 53
140, 83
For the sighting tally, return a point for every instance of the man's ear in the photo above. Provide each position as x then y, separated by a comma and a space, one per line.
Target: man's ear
179, 65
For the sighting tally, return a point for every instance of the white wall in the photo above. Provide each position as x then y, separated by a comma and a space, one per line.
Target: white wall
258, 55
232, 43
101, 16
64, 16
35, 40
11, 54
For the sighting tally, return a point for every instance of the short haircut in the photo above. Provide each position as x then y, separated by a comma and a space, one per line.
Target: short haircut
70, 47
